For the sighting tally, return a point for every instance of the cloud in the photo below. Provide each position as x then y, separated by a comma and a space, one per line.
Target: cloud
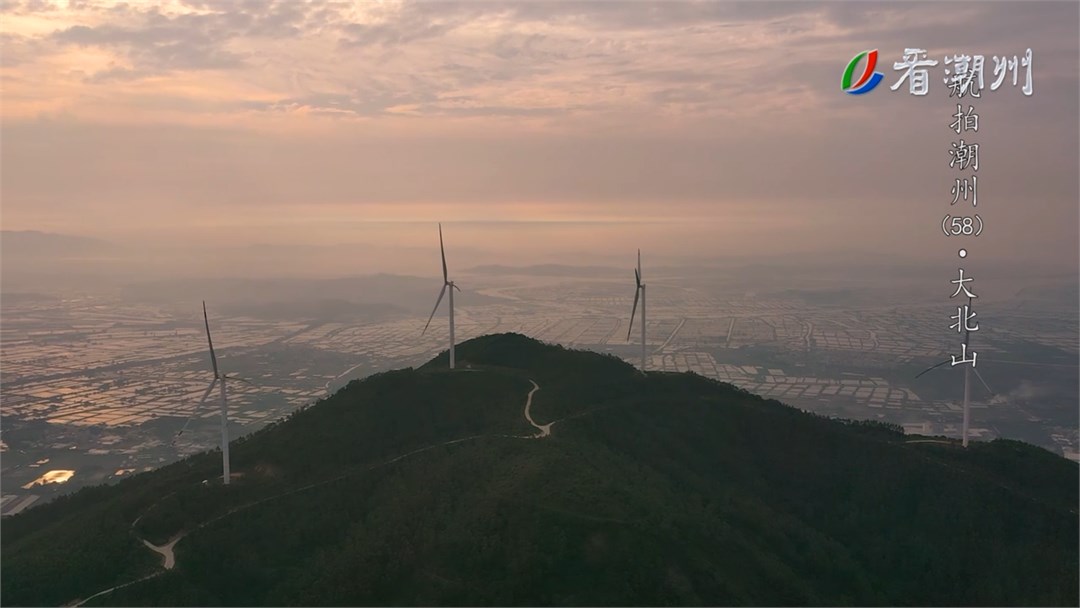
157, 42
593, 58
406, 27
234, 104
1025, 392
16, 50
362, 101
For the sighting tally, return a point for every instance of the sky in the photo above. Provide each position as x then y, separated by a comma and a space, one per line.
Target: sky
541, 130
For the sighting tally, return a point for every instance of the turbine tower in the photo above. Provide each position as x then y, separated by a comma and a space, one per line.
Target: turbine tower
218, 376
967, 379
638, 291
446, 283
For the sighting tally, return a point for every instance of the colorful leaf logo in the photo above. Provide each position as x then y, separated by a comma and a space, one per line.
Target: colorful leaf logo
869, 78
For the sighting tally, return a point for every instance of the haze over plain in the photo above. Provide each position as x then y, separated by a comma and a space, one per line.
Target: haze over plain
284, 134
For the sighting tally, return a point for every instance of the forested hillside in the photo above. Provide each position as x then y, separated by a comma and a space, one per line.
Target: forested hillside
431, 487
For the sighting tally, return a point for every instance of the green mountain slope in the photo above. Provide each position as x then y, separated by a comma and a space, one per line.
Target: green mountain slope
431, 487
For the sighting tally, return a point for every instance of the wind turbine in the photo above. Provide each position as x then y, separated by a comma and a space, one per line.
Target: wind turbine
218, 375
446, 283
967, 379
638, 291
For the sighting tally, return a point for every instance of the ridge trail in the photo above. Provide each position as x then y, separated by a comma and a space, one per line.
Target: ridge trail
169, 557
543, 430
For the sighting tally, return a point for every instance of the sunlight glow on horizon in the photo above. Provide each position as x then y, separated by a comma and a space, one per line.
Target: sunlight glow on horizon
180, 122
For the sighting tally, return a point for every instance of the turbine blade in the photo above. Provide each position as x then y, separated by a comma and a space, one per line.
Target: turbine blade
213, 357
639, 265
633, 311
456, 287
239, 379
442, 251
979, 376
932, 367
637, 278
198, 408
433, 310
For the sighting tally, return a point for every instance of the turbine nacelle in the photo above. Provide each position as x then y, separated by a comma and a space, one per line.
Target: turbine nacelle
967, 371
967, 344
638, 288
218, 376
639, 293
447, 283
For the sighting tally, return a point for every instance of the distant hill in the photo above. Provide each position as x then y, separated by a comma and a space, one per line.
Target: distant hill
376, 296
32, 243
47, 263
554, 270
30, 297
326, 310
430, 487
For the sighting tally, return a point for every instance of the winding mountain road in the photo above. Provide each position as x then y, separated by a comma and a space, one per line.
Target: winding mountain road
543, 430
111, 589
165, 550
169, 557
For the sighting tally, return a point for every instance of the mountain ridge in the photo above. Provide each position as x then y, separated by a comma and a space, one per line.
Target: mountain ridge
441, 488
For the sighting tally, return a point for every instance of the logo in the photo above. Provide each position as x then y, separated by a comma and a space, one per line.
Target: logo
869, 78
